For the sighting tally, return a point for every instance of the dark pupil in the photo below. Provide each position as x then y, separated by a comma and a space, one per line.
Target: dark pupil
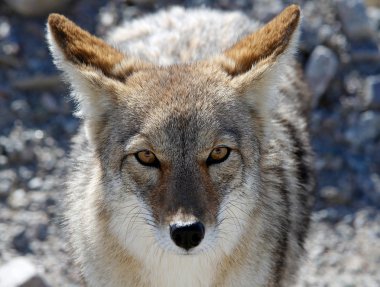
218, 152
148, 155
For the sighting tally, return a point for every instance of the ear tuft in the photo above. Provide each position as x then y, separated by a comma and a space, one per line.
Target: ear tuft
81, 48
272, 40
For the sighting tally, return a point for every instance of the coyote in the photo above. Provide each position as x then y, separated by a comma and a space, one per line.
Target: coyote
193, 165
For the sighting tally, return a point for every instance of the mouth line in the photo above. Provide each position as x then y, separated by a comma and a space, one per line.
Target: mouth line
180, 252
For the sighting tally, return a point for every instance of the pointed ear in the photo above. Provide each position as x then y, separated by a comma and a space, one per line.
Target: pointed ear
257, 62
94, 68
72, 45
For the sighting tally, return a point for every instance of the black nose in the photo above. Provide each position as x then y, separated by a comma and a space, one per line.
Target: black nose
187, 236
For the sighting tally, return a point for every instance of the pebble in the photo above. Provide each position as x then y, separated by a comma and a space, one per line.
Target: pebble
3, 160
49, 103
20, 272
35, 183
366, 129
264, 12
372, 92
333, 195
374, 192
37, 7
25, 173
331, 215
8, 180
5, 28
374, 17
320, 70
20, 107
21, 242
18, 199
42, 231
365, 51
38, 83
354, 19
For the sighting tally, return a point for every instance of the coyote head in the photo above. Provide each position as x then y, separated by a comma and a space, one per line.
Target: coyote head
178, 147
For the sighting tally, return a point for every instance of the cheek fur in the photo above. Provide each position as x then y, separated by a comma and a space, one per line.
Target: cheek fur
227, 174
145, 178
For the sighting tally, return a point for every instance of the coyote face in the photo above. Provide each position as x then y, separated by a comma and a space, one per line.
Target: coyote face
177, 157
187, 152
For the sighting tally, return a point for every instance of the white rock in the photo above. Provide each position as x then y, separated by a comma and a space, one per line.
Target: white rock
20, 272
320, 70
18, 199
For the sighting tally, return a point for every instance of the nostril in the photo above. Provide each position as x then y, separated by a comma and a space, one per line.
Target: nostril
187, 236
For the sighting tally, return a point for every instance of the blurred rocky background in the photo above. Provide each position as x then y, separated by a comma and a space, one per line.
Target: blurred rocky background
340, 54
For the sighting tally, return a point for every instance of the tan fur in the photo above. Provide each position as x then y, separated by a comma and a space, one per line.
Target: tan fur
243, 93
270, 41
80, 47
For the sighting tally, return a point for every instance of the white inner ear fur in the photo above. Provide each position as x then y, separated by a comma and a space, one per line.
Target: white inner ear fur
261, 83
88, 88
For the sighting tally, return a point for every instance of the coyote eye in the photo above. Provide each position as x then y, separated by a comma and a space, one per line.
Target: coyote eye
218, 155
147, 158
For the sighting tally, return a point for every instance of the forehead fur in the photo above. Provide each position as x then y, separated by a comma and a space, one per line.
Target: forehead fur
187, 98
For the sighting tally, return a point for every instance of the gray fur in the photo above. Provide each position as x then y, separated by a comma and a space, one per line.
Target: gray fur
182, 108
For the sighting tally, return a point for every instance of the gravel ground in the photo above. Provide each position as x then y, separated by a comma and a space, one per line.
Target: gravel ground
340, 54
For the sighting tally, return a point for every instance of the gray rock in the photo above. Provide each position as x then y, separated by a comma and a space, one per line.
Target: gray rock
38, 83
372, 92
25, 173
366, 129
18, 199
37, 7
334, 195
264, 12
5, 28
42, 231
21, 242
312, 28
325, 32
35, 183
143, 2
70, 126
320, 70
353, 84
7, 181
16, 148
374, 192
3, 160
354, 19
49, 103
331, 215
5, 187
20, 272
364, 51
374, 17
20, 107
363, 218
